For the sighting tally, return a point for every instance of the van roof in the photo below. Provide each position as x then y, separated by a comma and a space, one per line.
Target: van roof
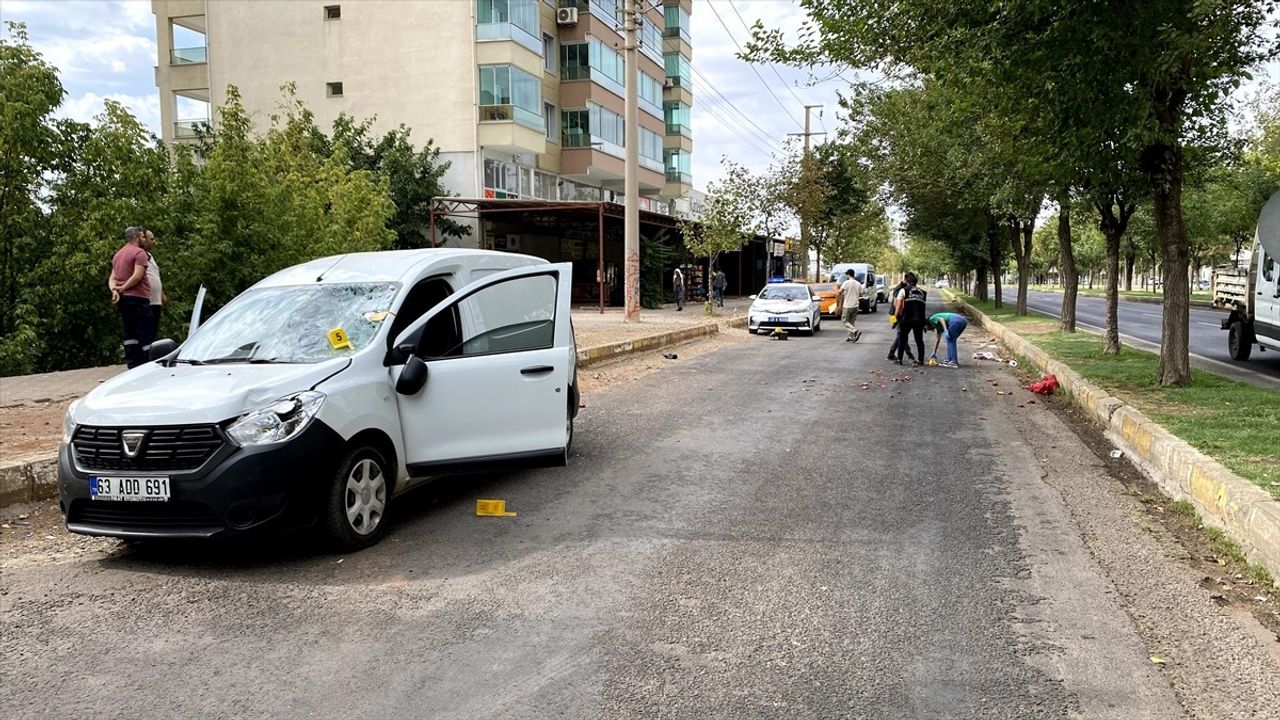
390, 265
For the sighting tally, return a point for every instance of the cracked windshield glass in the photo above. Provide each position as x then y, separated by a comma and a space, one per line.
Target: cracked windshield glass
293, 324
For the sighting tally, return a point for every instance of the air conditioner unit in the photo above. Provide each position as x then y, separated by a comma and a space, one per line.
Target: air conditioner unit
669, 82
567, 16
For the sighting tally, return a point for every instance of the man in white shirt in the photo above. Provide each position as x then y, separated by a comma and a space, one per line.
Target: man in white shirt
850, 295
153, 277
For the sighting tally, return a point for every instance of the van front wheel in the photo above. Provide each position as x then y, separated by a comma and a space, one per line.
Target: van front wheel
1239, 341
356, 510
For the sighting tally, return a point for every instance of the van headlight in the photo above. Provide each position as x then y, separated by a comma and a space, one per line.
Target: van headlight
69, 424
277, 422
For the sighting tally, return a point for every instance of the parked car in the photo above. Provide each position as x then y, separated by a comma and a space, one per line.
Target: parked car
323, 393
882, 291
789, 306
828, 297
941, 283
865, 274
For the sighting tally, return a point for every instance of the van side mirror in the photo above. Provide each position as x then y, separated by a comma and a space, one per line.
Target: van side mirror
161, 349
751, 297
413, 377
398, 355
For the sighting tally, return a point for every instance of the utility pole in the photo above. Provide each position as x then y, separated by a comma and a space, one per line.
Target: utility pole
804, 227
631, 177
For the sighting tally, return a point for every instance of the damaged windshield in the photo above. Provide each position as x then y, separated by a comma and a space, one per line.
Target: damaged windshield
296, 324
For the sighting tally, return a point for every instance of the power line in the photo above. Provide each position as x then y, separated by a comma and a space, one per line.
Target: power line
707, 84
732, 124
772, 67
752, 65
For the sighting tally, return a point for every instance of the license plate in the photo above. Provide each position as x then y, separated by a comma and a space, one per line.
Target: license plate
155, 489
775, 319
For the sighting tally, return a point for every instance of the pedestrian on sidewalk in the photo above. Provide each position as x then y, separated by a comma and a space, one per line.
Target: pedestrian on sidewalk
718, 283
847, 305
158, 298
948, 325
909, 308
131, 294
895, 302
677, 283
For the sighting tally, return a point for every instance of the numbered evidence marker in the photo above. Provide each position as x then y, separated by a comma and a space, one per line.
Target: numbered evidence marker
338, 339
492, 508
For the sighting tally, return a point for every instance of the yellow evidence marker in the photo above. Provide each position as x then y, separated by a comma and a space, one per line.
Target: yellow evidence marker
492, 508
338, 339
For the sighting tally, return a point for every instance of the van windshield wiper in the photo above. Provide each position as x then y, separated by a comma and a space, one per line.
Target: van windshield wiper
186, 361
236, 359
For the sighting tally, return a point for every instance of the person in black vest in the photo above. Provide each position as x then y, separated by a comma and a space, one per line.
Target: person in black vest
909, 306
893, 304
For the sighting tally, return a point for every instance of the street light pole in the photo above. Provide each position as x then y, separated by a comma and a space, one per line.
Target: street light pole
804, 227
631, 215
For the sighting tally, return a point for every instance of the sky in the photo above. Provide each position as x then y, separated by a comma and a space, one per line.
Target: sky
107, 49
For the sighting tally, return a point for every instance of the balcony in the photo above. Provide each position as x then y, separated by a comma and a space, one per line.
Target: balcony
675, 176
509, 31
500, 113
190, 129
679, 129
189, 55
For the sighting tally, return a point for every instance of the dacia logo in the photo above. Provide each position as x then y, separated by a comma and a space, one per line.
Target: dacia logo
131, 441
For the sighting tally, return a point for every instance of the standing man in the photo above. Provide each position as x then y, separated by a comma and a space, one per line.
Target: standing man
894, 304
131, 294
847, 305
949, 325
677, 283
910, 309
718, 283
158, 298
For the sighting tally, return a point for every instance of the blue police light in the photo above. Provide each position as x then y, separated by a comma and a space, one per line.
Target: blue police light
777, 280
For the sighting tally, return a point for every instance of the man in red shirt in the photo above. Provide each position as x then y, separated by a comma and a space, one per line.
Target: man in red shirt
131, 293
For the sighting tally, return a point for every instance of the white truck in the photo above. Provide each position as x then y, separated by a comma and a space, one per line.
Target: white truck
1252, 296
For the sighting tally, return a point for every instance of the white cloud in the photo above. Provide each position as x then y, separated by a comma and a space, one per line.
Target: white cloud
85, 107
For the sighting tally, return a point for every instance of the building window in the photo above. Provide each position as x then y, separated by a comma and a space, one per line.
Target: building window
651, 39
650, 95
502, 177
651, 150
677, 21
677, 117
679, 165
332, 12
509, 93
575, 128
678, 69
509, 20
333, 89
549, 55
551, 119
575, 62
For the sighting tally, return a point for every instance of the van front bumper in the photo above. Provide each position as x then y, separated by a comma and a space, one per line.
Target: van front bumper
239, 491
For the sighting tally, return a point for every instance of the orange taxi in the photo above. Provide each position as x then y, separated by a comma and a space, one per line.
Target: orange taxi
827, 294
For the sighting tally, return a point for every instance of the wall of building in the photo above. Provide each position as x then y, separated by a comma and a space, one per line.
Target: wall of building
410, 62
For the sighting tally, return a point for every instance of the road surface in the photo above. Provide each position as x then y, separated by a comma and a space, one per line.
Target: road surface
1141, 320
777, 529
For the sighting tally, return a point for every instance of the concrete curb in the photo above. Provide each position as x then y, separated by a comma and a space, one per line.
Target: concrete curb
37, 479
28, 480
1224, 500
599, 353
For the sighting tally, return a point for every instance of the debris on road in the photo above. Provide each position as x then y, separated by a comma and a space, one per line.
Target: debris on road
1117, 454
1046, 385
670, 356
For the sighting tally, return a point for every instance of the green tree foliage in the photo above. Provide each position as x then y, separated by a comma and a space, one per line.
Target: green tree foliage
249, 205
726, 221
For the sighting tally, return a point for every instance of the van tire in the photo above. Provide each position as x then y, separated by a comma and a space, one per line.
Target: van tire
360, 463
1239, 341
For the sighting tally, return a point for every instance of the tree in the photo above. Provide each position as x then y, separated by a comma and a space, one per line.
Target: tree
1157, 71
725, 224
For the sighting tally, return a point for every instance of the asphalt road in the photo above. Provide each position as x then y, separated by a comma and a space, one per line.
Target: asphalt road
1207, 339
750, 533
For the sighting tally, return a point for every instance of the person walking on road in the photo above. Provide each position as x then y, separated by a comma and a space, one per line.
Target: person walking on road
949, 325
677, 283
131, 294
158, 298
909, 307
896, 319
847, 305
718, 283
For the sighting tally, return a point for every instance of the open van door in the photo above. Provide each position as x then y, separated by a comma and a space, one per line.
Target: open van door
483, 378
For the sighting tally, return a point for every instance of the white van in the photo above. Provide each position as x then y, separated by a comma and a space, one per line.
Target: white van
325, 391
864, 273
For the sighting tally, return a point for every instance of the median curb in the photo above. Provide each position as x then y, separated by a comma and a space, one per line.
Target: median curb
37, 479
1224, 500
600, 353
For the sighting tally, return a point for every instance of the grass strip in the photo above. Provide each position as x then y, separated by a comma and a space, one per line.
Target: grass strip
1231, 421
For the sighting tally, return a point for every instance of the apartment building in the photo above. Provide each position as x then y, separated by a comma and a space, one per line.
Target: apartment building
525, 98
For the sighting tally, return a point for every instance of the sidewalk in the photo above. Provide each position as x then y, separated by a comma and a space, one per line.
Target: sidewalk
32, 406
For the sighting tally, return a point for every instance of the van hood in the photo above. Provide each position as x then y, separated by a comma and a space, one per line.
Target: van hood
153, 394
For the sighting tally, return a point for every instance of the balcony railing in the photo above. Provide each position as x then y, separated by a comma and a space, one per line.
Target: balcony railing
499, 113
575, 72
575, 140
190, 128
189, 55
675, 176
509, 31
679, 129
